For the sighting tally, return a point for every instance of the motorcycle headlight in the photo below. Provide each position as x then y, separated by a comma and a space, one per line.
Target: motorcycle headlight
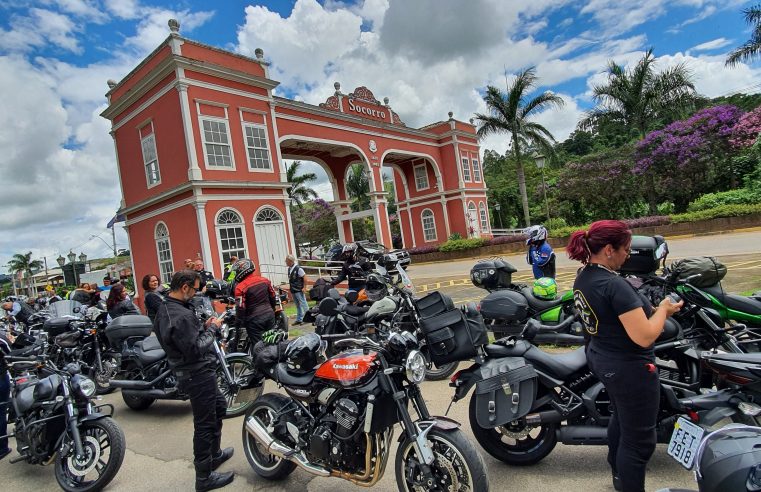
84, 385
415, 367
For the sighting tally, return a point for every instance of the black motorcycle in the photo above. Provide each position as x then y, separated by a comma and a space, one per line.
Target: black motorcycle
144, 374
338, 419
55, 420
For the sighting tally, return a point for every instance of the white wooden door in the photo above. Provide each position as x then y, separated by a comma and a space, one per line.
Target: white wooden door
271, 244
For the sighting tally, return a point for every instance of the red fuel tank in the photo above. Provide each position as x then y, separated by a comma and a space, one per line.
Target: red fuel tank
348, 368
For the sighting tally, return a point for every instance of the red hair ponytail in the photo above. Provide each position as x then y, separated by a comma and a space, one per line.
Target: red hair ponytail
584, 244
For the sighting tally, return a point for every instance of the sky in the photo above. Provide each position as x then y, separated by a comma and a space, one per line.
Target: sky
428, 56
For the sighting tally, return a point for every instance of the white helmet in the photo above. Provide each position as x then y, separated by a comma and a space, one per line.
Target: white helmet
535, 234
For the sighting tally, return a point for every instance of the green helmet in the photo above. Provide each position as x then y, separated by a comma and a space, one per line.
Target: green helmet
545, 288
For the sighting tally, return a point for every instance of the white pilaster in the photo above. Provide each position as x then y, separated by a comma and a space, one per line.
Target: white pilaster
194, 171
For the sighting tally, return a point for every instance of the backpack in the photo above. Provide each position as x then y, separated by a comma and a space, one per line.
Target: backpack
319, 290
709, 269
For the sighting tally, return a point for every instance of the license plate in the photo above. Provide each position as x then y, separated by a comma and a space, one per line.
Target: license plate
247, 395
685, 441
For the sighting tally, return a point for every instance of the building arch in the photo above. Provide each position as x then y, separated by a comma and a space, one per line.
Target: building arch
428, 157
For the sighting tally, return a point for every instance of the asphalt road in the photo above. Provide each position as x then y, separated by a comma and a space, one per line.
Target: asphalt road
159, 455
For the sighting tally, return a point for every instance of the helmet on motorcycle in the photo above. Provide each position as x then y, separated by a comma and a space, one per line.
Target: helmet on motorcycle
304, 353
545, 288
535, 234
376, 288
216, 288
242, 269
349, 251
728, 459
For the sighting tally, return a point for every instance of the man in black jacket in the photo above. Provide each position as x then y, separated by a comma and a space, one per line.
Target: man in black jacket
355, 268
189, 349
19, 310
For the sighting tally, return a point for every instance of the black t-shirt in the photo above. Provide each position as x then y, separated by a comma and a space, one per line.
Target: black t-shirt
601, 296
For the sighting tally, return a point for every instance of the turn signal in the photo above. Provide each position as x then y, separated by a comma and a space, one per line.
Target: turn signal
750, 409
454, 378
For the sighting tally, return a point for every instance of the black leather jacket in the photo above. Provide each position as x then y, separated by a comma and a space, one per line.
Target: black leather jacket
356, 272
123, 307
187, 344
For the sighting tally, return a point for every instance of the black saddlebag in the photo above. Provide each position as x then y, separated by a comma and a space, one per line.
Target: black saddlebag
505, 305
454, 335
55, 326
506, 391
433, 304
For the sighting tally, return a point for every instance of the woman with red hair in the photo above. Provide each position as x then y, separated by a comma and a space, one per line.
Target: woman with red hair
621, 327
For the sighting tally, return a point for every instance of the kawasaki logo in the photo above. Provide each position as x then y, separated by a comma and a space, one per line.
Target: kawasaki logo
352, 367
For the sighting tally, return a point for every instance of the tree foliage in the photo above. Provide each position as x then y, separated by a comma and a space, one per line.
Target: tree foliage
751, 49
358, 187
25, 264
314, 225
299, 191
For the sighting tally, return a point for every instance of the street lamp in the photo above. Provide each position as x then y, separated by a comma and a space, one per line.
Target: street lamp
540, 160
72, 256
497, 208
61, 261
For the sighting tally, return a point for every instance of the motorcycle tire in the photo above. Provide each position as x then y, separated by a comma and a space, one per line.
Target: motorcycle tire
444, 371
240, 369
99, 437
453, 451
264, 464
137, 402
526, 450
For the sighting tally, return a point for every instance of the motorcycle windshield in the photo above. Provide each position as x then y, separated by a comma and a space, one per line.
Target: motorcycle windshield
405, 279
203, 306
66, 309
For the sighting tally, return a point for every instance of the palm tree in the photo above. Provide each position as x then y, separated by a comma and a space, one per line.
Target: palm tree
752, 48
358, 187
510, 113
299, 192
24, 263
640, 96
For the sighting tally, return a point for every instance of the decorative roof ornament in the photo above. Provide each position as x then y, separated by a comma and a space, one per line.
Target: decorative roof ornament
174, 26
259, 53
362, 102
385, 100
451, 114
111, 83
337, 87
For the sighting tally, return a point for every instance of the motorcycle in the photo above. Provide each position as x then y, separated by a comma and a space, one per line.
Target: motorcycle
55, 420
509, 305
235, 338
144, 375
334, 421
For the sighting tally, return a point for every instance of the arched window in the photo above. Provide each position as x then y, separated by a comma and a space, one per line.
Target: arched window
472, 220
429, 225
484, 218
268, 215
164, 252
230, 236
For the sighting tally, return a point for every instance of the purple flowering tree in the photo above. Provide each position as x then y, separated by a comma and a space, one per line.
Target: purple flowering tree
690, 157
314, 225
746, 131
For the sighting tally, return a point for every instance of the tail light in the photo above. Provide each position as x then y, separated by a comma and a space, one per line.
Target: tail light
693, 416
455, 377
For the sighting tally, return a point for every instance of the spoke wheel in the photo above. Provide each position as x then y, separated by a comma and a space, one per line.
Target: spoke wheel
265, 465
104, 447
242, 370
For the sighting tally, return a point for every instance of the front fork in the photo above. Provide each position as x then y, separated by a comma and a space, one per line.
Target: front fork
223, 363
73, 423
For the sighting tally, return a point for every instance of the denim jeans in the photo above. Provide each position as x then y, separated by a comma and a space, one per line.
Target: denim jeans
301, 305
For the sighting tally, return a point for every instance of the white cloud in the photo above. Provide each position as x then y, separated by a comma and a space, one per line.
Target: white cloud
125, 9
152, 28
40, 28
711, 77
86, 9
712, 45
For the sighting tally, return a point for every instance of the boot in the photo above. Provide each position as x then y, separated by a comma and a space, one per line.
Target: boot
206, 479
617, 483
222, 456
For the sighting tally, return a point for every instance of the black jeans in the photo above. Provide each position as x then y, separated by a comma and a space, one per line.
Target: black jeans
209, 406
635, 394
5, 394
256, 325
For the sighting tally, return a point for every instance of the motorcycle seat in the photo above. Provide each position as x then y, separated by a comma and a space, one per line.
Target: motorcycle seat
745, 358
287, 378
517, 350
149, 343
558, 365
148, 356
538, 304
733, 301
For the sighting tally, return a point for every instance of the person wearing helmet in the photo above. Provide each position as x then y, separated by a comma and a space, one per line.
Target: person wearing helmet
256, 300
540, 255
354, 268
375, 288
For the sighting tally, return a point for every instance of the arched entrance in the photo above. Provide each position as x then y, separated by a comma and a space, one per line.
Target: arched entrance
271, 244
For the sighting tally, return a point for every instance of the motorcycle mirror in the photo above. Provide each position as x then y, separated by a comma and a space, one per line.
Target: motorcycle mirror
530, 329
328, 307
352, 296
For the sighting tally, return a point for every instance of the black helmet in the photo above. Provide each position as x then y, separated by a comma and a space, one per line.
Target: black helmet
348, 251
216, 288
376, 288
304, 353
729, 458
242, 269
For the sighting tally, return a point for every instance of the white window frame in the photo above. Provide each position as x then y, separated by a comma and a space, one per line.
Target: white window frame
204, 142
258, 126
465, 164
433, 222
424, 167
484, 217
474, 161
143, 140
220, 227
165, 277
471, 207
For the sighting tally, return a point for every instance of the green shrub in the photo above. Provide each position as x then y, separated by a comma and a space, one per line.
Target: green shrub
743, 196
461, 244
556, 223
455, 236
722, 211
666, 208
566, 231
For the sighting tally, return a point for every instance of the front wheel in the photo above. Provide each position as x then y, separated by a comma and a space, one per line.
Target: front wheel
514, 443
104, 448
239, 399
457, 465
266, 465
437, 373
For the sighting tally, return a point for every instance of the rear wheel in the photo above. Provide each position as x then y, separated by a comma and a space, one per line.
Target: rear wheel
266, 465
437, 373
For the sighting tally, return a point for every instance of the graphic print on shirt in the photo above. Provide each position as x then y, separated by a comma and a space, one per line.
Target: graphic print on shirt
588, 316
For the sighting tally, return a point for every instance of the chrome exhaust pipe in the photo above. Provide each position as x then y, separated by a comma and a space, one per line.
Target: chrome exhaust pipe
280, 450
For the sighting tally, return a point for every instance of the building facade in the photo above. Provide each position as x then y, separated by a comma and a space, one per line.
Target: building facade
201, 143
